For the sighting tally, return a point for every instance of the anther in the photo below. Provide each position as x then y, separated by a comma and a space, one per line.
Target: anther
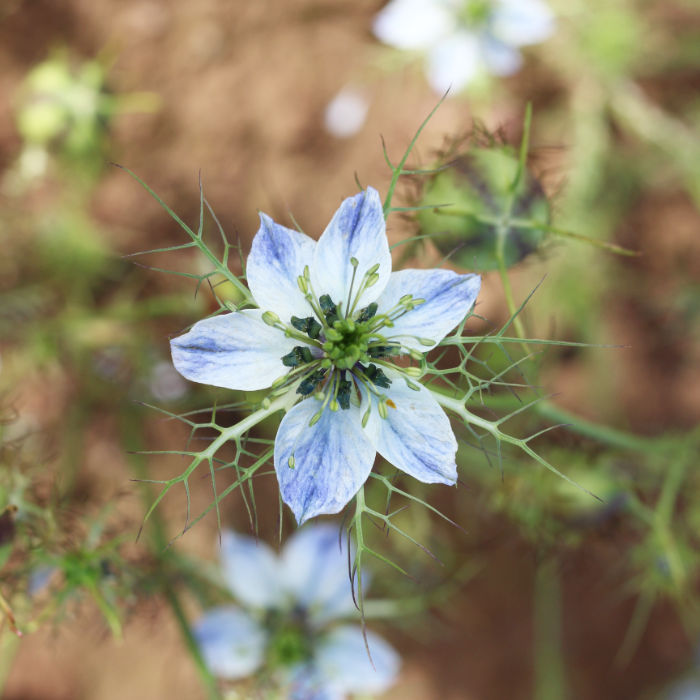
271, 318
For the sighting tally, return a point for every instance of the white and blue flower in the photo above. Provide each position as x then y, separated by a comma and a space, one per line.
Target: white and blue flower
294, 626
334, 328
464, 38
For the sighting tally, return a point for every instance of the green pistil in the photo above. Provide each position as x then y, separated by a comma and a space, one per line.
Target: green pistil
475, 13
290, 642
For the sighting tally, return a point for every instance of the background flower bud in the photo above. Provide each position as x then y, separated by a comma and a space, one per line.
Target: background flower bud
470, 208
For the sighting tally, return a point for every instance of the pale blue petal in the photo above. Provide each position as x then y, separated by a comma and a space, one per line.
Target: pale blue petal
356, 230
277, 258
454, 62
231, 642
522, 22
332, 459
500, 59
252, 571
413, 24
308, 683
416, 436
315, 566
448, 298
342, 660
234, 351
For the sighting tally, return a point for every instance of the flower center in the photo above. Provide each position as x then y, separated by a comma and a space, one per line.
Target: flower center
474, 13
290, 640
342, 350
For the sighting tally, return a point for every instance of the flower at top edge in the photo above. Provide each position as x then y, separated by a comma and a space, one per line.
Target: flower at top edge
332, 321
292, 625
464, 38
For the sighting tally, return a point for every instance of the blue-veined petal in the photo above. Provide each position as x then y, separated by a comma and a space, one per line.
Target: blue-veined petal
500, 58
448, 297
232, 643
522, 22
252, 570
234, 351
277, 257
308, 683
453, 63
413, 24
416, 436
315, 571
357, 230
332, 459
342, 661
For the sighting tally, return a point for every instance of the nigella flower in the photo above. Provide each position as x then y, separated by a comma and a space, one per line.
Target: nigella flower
463, 38
291, 627
333, 320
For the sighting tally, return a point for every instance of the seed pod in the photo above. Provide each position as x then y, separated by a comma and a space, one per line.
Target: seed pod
476, 190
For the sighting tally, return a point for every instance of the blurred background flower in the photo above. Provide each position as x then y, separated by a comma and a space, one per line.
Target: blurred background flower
287, 625
463, 39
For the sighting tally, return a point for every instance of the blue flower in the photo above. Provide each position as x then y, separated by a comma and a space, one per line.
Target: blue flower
463, 38
287, 628
333, 319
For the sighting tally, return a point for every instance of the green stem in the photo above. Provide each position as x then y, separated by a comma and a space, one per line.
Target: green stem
159, 548
546, 409
550, 670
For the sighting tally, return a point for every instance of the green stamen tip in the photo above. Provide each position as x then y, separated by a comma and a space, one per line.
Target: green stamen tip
381, 408
334, 405
365, 418
416, 372
291, 462
354, 262
426, 341
372, 270
315, 419
271, 318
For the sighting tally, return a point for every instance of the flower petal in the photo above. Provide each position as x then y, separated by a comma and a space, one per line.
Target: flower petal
342, 659
416, 436
308, 683
252, 570
277, 257
522, 22
231, 642
356, 230
448, 298
315, 571
412, 24
454, 63
234, 351
332, 459
500, 59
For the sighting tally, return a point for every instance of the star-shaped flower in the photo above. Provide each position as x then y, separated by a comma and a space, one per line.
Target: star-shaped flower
334, 327
291, 626
463, 38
